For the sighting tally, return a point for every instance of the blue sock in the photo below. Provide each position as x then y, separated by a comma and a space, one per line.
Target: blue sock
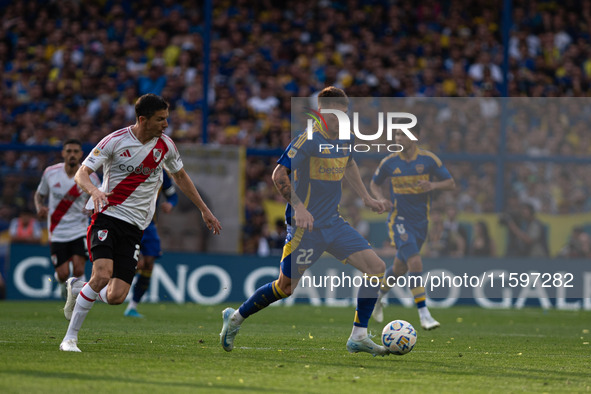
262, 298
366, 300
141, 285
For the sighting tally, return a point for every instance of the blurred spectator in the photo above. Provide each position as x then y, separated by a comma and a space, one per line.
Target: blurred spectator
456, 230
482, 244
578, 246
529, 233
442, 242
25, 228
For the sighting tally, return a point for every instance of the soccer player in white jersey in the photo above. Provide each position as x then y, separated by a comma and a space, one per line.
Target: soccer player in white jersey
132, 159
67, 220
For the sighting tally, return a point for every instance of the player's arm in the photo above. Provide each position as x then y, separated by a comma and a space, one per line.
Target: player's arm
303, 217
377, 192
354, 178
99, 198
184, 182
169, 191
40, 207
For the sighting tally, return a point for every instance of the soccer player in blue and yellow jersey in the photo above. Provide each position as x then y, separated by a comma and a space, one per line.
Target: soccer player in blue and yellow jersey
150, 248
313, 193
410, 176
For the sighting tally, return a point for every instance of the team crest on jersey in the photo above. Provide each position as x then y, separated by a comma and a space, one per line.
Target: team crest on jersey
102, 234
96, 152
420, 168
292, 152
157, 154
404, 237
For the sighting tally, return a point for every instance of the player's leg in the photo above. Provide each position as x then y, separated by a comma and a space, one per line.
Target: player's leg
346, 244
142, 284
150, 250
60, 258
399, 268
299, 242
79, 253
101, 273
369, 263
417, 288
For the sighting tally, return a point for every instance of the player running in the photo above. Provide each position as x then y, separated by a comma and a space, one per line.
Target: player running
132, 159
150, 249
315, 226
66, 218
410, 175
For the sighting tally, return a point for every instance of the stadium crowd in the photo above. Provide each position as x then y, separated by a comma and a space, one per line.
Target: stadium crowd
74, 69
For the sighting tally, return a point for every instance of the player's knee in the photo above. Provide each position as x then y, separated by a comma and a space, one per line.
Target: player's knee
286, 289
63, 276
116, 299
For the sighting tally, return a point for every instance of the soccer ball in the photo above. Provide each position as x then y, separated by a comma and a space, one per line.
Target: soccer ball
399, 337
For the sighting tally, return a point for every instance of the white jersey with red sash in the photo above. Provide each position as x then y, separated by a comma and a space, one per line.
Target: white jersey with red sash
132, 172
66, 220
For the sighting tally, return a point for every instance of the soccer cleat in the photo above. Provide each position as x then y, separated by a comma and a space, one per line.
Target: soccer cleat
70, 296
378, 311
428, 323
70, 345
229, 330
133, 313
366, 345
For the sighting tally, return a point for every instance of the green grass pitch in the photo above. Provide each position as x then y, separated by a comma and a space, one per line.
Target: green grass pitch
290, 350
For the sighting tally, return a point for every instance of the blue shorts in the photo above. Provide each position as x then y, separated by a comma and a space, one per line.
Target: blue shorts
407, 237
303, 248
150, 245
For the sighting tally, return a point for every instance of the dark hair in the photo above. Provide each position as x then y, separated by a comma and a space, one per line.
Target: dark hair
72, 141
148, 104
332, 97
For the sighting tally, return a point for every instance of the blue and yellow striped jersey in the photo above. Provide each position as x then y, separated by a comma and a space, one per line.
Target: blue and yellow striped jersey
408, 199
316, 175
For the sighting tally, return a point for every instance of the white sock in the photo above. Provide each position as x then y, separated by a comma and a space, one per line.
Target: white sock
102, 295
83, 304
237, 318
424, 312
132, 305
358, 333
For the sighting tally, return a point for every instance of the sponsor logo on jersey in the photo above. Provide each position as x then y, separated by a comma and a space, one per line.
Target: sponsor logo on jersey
157, 154
397, 171
102, 234
57, 185
125, 153
328, 169
140, 169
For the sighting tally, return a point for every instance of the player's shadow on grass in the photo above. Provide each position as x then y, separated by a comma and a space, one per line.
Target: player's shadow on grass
491, 371
70, 376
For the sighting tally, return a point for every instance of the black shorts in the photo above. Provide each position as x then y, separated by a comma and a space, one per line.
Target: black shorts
117, 240
62, 252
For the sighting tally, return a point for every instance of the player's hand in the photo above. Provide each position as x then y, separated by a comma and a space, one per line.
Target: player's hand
42, 212
375, 205
387, 204
303, 218
211, 221
100, 199
425, 186
166, 207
